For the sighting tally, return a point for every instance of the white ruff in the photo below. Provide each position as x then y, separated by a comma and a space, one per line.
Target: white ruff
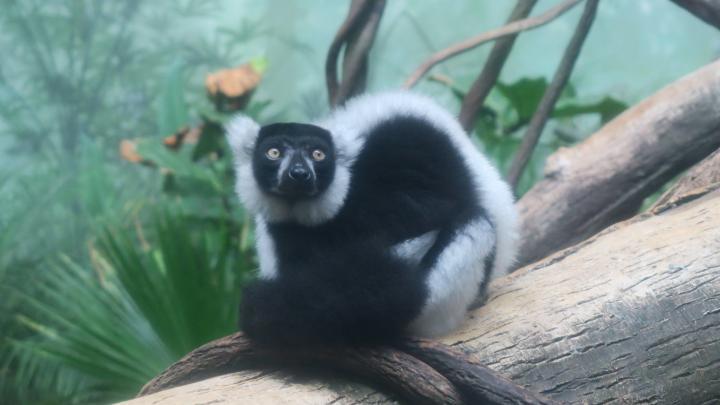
265, 246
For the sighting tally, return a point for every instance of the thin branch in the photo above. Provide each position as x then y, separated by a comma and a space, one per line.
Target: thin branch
475, 98
331, 76
562, 75
355, 61
474, 42
356, 34
706, 10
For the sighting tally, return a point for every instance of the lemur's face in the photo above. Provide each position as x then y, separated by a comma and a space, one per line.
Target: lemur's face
293, 161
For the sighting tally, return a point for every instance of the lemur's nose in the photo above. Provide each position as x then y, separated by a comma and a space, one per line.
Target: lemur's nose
299, 173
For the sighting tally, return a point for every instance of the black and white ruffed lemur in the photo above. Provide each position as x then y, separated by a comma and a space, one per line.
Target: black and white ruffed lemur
379, 221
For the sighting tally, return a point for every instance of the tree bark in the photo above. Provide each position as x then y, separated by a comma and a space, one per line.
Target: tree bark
356, 36
706, 10
631, 315
605, 178
700, 179
552, 93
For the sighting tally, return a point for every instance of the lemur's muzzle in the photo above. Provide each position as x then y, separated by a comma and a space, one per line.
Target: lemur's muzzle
299, 173
298, 180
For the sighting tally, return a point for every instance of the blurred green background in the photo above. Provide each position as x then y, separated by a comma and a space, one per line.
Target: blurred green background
110, 270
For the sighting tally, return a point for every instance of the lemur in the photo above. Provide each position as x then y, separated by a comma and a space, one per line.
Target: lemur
381, 220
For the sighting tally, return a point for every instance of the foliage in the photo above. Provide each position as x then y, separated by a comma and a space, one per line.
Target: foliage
97, 329
70, 328
509, 109
143, 304
34, 230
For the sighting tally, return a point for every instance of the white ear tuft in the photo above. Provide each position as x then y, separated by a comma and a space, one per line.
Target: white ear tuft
242, 132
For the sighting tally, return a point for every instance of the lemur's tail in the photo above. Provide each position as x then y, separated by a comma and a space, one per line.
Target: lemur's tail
364, 298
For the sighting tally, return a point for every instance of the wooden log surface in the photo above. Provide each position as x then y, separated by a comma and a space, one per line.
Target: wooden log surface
605, 178
631, 315
699, 180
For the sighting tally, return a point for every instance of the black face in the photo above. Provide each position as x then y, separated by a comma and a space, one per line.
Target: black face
294, 161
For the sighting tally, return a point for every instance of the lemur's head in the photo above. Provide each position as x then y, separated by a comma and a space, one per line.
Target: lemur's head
288, 172
293, 161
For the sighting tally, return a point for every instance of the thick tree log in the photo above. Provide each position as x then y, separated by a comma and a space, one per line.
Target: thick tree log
631, 315
605, 178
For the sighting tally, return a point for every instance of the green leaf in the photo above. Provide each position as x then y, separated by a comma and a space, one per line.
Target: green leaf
259, 64
524, 95
180, 165
608, 108
172, 112
146, 305
212, 139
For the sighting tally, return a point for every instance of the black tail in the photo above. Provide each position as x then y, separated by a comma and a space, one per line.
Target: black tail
343, 298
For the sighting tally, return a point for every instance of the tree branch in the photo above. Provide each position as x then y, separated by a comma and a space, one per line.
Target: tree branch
474, 42
356, 34
701, 179
605, 178
475, 98
351, 21
644, 329
706, 10
562, 75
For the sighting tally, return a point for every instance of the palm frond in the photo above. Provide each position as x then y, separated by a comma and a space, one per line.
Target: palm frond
103, 332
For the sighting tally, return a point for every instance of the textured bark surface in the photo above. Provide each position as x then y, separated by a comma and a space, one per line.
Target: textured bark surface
631, 315
699, 180
605, 178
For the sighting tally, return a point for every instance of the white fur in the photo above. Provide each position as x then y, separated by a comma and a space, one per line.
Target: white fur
455, 279
459, 271
265, 246
413, 250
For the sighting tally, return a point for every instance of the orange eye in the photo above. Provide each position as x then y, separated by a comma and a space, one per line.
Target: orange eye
318, 155
273, 153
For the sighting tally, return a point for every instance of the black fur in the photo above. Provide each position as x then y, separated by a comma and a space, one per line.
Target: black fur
338, 281
302, 139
